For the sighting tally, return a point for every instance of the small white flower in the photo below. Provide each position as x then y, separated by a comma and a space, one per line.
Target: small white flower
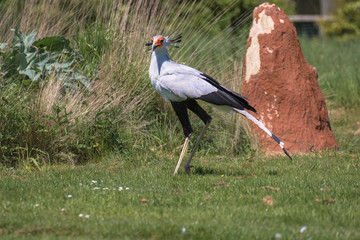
93, 181
303, 229
105, 188
81, 215
127, 188
278, 235
63, 209
183, 230
36, 205
69, 196
96, 188
121, 188
87, 216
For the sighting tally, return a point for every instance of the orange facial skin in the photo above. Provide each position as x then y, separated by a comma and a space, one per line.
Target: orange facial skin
159, 41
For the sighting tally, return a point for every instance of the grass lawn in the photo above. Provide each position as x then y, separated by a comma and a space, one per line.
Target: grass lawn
222, 199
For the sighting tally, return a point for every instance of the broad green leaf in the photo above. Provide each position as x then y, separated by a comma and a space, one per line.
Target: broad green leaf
20, 61
30, 73
63, 65
31, 59
37, 76
29, 40
18, 38
53, 44
39, 58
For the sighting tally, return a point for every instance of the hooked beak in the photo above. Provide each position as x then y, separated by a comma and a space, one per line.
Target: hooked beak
154, 46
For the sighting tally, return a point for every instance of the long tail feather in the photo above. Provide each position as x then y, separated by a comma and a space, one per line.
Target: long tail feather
262, 126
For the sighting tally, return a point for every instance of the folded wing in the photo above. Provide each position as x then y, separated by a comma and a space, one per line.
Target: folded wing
186, 82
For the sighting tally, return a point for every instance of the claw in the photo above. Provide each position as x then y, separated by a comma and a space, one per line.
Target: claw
188, 168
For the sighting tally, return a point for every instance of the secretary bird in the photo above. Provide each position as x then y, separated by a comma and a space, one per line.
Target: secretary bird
182, 86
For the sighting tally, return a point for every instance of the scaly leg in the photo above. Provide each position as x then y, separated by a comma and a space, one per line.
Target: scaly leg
187, 164
182, 154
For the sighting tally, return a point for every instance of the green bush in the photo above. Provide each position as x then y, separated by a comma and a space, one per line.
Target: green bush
346, 21
32, 61
47, 109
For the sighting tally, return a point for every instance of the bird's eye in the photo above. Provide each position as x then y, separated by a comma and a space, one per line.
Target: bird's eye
162, 40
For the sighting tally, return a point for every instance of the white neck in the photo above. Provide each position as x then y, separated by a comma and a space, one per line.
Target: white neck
158, 57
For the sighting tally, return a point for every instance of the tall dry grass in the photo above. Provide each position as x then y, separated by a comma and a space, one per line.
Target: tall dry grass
120, 79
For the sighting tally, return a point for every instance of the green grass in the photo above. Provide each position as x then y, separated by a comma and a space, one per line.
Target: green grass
336, 63
221, 199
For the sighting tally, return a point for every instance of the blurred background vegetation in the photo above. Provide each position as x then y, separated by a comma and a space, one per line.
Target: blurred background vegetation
74, 81
346, 20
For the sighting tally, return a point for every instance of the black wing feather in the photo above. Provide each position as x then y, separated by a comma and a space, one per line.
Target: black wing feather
225, 96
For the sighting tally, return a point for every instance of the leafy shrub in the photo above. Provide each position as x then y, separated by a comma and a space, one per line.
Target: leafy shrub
346, 21
40, 122
31, 61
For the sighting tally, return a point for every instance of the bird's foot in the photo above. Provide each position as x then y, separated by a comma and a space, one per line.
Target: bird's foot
188, 168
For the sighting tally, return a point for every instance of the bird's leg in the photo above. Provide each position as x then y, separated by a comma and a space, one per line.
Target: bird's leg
202, 114
186, 143
187, 164
181, 111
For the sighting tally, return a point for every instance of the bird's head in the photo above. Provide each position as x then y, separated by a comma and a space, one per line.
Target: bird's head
159, 42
